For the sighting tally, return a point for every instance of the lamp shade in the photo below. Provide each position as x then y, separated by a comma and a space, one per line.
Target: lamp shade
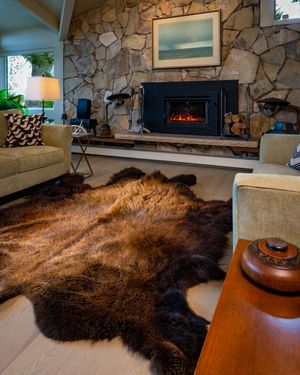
42, 88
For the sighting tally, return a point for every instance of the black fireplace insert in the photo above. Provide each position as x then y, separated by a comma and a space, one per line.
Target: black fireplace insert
195, 107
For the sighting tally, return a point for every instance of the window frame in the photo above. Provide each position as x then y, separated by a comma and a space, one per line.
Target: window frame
38, 40
267, 11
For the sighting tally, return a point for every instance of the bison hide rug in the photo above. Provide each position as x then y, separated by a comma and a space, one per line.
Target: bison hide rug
117, 261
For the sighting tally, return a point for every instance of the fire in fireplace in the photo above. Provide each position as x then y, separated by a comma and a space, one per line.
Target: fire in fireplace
196, 107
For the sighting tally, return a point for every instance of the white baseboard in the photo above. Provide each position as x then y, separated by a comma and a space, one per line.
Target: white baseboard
229, 162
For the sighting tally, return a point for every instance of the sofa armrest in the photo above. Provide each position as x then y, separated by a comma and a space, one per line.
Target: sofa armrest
277, 148
266, 206
59, 136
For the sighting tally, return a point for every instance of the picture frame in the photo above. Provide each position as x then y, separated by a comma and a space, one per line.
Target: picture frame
186, 41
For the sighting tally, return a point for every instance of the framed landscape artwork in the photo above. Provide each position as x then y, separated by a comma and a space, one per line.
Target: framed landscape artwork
186, 41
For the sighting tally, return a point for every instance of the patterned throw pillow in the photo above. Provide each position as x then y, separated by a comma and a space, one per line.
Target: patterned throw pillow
294, 161
23, 130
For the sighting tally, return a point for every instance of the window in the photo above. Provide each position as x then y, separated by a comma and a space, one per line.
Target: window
20, 67
279, 12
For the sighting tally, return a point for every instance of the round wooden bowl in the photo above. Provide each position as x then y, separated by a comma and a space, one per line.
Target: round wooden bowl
273, 263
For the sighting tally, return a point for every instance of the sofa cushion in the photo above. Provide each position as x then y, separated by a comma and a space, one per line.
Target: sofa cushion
269, 168
3, 124
33, 157
294, 161
23, 130
8, 166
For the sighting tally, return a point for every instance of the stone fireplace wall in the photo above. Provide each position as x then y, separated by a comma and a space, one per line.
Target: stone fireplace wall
108, 50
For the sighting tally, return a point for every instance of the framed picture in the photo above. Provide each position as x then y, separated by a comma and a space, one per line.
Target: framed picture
186, 41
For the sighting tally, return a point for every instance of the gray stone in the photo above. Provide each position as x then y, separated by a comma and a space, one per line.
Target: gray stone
109, 16
122, 61
259, 124
98, 29
196, 7
92, 37
144, 6
148, 15
107, 27
294, 97
70, 109
282, 94
144, 28
244, 99
282, 36
100, 81
69, 68
274, 56
295, 27
86, 66
181, 3
229, 36
85, 26
85, 92
136, 62
166, 7
241, 65
227, 8
71, 84
100, 53
273, 61
240, 20
293, 50
261, 45
177, 12
113, 50
133, 21
107, 38
136, 42
261, 85
70, 49
247, 38
119, 84
137, 78
86, 48
123, 19
94, 16
289, 76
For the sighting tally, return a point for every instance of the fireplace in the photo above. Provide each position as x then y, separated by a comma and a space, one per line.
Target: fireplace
195, 108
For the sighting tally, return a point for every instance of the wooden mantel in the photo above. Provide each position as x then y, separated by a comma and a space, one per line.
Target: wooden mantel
190, 140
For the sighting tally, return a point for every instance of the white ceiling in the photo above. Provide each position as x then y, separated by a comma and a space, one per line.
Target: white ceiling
14, 16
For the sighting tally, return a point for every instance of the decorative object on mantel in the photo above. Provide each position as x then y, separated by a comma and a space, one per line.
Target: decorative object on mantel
119, 99
186, 41
273, 263
121, 267
271, 106
235, 125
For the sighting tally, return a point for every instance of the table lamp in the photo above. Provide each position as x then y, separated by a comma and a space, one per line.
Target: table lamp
42, 88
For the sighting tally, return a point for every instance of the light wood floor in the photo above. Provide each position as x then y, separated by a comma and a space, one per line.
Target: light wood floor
23, 350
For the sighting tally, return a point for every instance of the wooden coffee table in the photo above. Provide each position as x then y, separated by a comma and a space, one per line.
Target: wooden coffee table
254, 331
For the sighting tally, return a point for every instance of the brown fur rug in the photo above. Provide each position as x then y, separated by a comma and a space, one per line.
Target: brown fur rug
116, 261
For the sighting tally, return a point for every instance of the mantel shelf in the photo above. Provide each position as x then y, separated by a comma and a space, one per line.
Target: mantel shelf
190, 140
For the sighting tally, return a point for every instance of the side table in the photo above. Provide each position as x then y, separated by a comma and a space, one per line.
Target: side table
83, 142
254, 331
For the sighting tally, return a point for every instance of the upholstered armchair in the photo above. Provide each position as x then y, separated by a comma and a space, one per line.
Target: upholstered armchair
266, 203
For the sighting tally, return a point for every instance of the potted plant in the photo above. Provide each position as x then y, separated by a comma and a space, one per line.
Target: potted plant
11, 101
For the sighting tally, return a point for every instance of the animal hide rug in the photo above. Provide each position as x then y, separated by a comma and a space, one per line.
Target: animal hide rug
117, 261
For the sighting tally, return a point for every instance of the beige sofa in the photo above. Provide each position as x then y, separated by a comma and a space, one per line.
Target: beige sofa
266, 203
23, 167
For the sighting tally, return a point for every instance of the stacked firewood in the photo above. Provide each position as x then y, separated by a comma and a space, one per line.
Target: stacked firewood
235, 124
